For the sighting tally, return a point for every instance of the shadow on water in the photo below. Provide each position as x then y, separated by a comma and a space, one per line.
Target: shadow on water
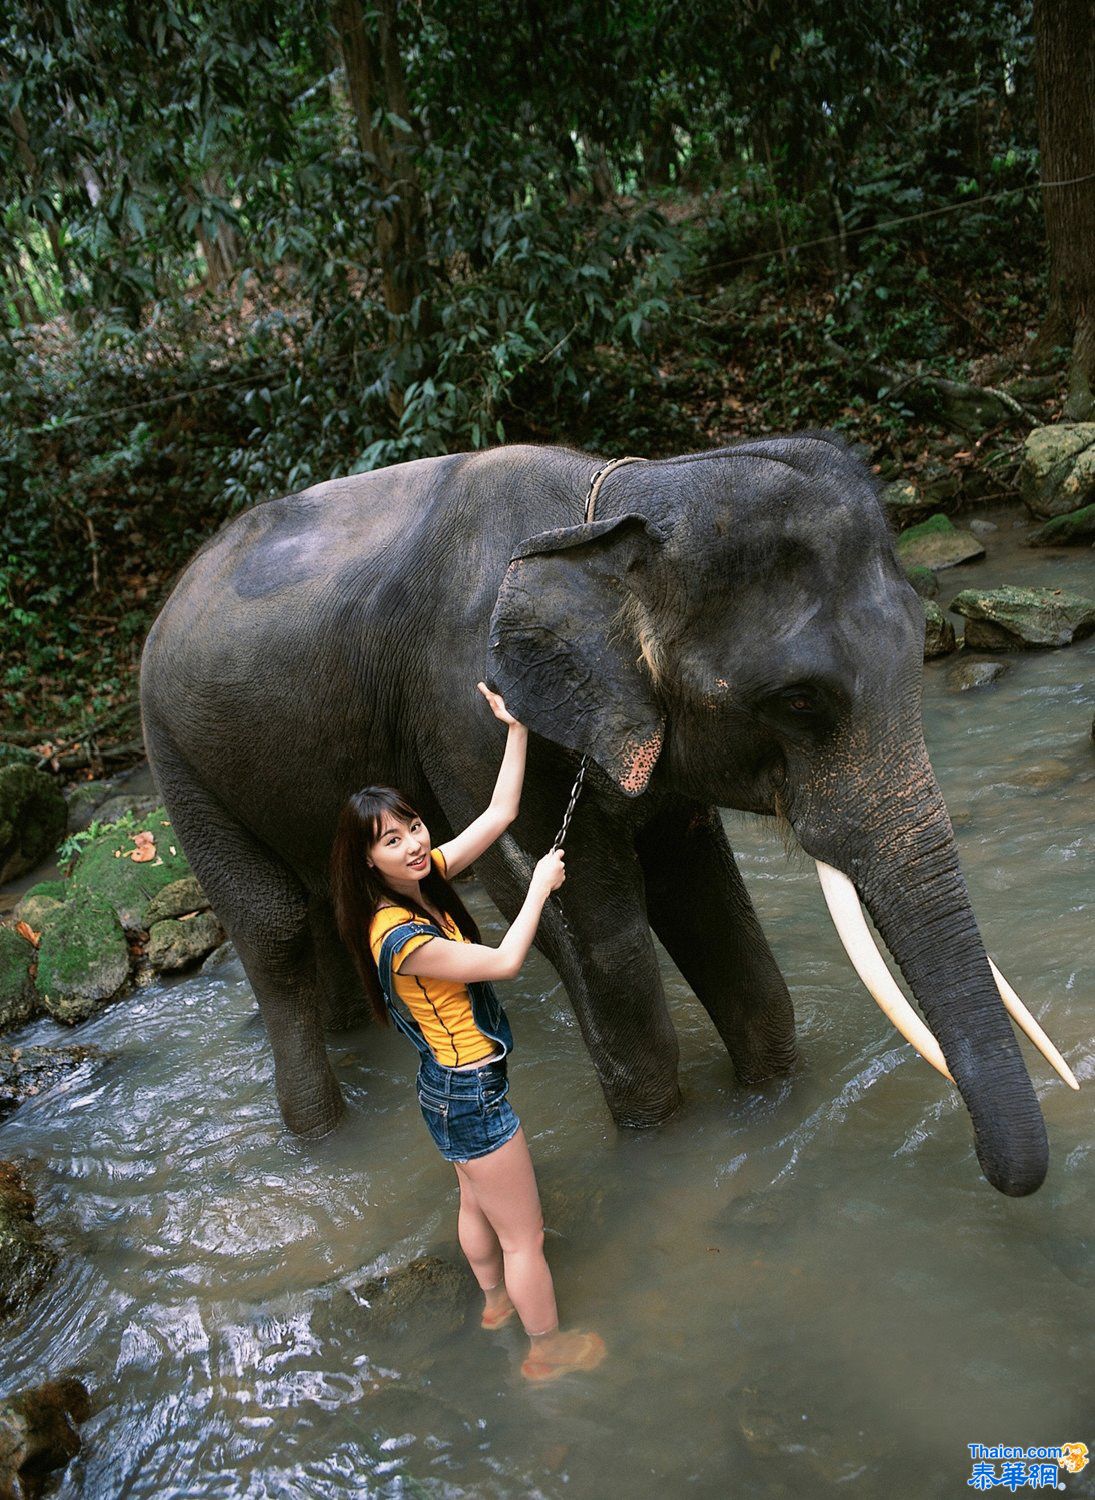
805, 1288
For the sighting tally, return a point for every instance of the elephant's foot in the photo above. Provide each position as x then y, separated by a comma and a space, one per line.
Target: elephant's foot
633, 1114
758, 1058
314, 1113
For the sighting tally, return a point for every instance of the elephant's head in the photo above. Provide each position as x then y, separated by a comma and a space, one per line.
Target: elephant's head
736, 626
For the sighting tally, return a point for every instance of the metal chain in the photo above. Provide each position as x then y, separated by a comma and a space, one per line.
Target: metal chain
560, 838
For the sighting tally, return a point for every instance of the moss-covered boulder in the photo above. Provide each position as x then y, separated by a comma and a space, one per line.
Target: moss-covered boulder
179, 943
905, 505
1057, 475
16, 985
1077, 529
938, 632
83, 959
923, 581
32, 819
1012, 619
937, 543
178, 899
106, 870
37, 904
25, 1259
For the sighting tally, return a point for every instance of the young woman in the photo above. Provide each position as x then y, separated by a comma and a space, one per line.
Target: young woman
422, 964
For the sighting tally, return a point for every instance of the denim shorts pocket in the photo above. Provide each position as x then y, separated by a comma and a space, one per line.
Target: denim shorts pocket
494, 1093
435, 1112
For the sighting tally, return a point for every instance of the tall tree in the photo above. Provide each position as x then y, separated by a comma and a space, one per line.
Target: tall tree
1064, 50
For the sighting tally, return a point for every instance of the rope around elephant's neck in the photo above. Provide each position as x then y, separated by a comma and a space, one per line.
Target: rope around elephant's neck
596, 480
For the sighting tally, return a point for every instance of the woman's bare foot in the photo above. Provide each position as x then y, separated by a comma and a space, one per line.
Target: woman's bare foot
498, 1309
557, 1353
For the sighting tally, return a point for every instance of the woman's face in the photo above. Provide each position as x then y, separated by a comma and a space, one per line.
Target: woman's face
402, 852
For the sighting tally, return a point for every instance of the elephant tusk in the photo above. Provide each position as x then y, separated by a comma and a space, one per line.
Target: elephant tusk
852, 930
1023, 1019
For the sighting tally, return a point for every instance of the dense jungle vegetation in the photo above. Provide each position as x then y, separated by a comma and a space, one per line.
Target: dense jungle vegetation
246, 245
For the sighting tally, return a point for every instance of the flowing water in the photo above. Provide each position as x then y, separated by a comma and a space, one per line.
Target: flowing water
805, 1288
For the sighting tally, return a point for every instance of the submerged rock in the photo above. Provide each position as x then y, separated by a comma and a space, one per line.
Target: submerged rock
1066, 531
27, 1072
937, 543
38, 1435
1011, 619
32, 819
419, 1304
938, 633
179, 943
1057, 474
83, 959
26, 1261
965, 675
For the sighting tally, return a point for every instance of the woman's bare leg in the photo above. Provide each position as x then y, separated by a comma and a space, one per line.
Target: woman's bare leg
484, 1253
504, 1187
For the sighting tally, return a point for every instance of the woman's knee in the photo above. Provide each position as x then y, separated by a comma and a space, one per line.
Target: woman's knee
521, 1241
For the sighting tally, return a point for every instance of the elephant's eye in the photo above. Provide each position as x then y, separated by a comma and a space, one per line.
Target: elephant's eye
800, 700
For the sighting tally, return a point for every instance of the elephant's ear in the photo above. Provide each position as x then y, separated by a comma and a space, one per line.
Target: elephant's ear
563, 649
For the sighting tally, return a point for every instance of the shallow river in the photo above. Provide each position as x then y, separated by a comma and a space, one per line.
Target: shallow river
806, 1289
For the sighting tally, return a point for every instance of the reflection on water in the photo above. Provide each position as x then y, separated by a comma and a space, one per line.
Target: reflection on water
805, 1288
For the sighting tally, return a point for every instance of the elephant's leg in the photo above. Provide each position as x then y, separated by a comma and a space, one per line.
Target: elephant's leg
342, 1000
595, 934
264, 909
701, 911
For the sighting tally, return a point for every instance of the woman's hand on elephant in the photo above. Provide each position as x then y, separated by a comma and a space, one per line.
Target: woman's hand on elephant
497, 705
549, 874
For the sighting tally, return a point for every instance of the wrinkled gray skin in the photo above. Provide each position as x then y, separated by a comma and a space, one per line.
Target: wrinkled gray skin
733, 630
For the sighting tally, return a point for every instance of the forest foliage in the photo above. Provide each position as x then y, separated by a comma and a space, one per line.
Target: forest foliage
247, 245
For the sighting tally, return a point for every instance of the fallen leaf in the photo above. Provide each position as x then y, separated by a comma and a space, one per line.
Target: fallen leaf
144, 837
157, 861
143, 853
118, 853
171, 849
25, 930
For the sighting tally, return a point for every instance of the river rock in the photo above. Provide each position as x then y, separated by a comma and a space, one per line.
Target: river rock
1010, 619
178, 944
16, 985
938, 632
26, 1261
937, 543
84, 801
26, 1072
904, 504
105, 870
38, 1435
923, 581
178, 899
983, 528
121, 803
32, 819
965, 675
420, 1304
83, 959
40, 902
1066, 531
1057, 474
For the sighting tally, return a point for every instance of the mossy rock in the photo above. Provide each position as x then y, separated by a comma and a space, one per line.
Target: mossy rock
937, 543
32, 819
177, 900
105, 871
16, 985
904, 504
938, 633
174, 944
1057, 475
1012, 619
83, 959
923, 581
37, 904
1074, 530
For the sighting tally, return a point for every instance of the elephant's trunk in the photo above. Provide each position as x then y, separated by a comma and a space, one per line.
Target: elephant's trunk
905, 868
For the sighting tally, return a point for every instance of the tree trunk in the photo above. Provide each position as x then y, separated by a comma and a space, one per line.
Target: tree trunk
1064, 55
222, 249
374, 74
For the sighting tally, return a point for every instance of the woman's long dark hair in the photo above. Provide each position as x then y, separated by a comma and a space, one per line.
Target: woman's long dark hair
357, 888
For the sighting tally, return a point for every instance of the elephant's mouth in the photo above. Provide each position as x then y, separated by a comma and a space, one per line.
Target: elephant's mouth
851, 926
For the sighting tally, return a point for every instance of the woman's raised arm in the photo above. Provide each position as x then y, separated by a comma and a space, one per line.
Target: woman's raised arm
466, 847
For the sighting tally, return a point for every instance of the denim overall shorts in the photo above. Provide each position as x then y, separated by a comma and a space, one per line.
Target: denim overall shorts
467, 1112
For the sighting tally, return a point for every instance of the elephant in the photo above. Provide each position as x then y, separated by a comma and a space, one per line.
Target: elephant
730, 629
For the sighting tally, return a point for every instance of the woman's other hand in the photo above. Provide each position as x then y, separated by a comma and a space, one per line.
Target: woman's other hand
497, 705
549, 874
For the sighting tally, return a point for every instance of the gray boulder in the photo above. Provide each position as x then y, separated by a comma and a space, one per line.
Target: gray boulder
83, 959
1012, 619
937, 543
178, 899
84, 800
905, 505
179, 943
1057, 474
938, 632
964, 675
32, 819
1072, 530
